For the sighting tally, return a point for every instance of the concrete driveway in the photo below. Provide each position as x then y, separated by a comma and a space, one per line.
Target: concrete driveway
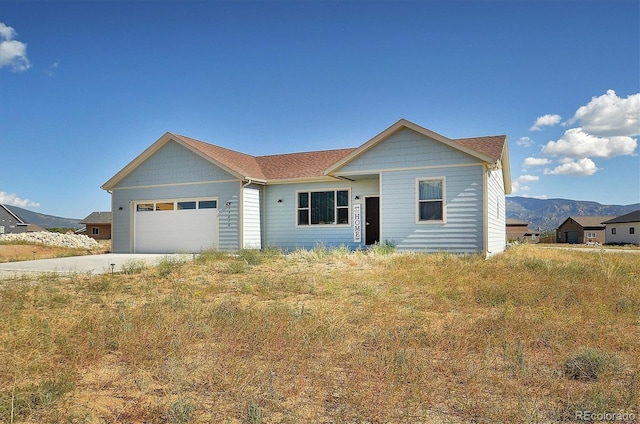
95, 264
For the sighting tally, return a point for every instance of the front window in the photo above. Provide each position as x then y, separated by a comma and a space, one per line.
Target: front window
632, 230
613, 230
323, 207
430, 200
95, 231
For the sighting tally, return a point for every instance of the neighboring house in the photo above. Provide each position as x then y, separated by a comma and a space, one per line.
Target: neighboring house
624, 229
10, 223
407, 185
582, 229
98, 225
520, 231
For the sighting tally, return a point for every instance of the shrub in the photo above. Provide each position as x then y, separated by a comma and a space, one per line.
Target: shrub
588, 364
169, 264
384, 248
133, 266
251, 256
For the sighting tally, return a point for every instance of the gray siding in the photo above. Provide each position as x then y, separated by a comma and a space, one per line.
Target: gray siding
174, 164
406, 157
281, 218
407, 149
496, 210
462, 231
9, 223
167, 175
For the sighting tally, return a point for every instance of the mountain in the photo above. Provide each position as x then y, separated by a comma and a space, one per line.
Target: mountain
548, 214
45, 221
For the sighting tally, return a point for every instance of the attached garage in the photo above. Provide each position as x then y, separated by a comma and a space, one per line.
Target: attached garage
170, 226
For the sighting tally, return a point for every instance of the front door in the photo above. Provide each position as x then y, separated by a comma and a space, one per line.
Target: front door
372, 220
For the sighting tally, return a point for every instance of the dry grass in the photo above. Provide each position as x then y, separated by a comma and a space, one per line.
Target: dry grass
326, 336
11, 252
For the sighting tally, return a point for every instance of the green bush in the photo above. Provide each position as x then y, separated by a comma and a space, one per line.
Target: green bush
588, 364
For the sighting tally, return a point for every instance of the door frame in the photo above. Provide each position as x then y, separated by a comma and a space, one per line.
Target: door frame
366, 214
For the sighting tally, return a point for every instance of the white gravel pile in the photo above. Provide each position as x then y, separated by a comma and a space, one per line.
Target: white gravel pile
74, 241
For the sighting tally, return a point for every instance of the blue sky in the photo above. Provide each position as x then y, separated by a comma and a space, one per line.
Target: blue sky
85, 86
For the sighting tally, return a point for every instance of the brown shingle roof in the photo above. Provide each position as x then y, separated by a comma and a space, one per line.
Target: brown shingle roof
300, 165
310, 164
98, 218
591, 221
490, 145
241, 163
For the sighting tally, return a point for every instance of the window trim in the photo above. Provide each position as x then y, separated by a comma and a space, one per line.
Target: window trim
418, 201
152, 205
336, 207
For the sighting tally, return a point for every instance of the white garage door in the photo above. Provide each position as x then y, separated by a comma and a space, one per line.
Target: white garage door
180, 226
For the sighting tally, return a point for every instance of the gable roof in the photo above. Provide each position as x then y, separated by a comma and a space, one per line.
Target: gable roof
17, 218
293, 166
588, 221
98, 218
489, 149
630, 217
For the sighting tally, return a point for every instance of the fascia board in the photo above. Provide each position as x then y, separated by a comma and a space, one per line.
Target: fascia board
506, 168
302, 180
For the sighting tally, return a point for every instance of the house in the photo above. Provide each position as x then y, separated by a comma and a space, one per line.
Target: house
10, 223
98, 225
582, 229
624, 229
520, 231
407, 185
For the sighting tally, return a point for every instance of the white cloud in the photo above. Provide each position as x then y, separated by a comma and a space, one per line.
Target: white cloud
545, 121
52, 68
531, 161
520, 184
528, 178
609, 115
584, 166
13, 53
525, 142
12, 199
577, 143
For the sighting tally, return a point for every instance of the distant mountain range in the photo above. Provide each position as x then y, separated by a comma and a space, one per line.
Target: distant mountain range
45, 221
548, 214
